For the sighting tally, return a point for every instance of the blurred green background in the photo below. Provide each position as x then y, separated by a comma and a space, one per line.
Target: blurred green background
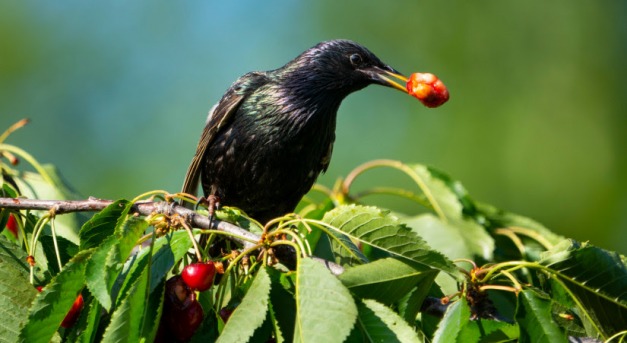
118, 93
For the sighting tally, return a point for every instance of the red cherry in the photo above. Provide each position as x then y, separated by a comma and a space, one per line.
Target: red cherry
12, 225
182, 324
39, 288
182, 314
72, 315
427, 88
199, 276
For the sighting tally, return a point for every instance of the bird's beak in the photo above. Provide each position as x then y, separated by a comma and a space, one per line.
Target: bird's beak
387, 76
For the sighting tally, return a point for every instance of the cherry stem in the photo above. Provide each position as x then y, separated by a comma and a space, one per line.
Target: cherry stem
531, 234
19, 124
191, 236
417, 198
514, 264
474, 265
293, 235
30, 159
500, 288
350, 178
228, 269
54, 241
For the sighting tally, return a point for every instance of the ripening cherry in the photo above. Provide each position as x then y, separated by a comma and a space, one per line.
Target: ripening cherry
427, 88
72, 315
12, 225
199, 276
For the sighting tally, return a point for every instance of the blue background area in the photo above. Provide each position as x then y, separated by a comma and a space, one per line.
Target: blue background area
118, 93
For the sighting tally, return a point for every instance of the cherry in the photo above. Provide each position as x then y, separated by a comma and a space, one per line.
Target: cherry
182, 314
199, 276
12, 225
183, 323
72, 315
177, 291
427, 88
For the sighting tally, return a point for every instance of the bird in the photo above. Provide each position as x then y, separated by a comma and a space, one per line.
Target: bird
271, 134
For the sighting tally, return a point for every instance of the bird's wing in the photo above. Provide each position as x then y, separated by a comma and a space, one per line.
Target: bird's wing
218, 117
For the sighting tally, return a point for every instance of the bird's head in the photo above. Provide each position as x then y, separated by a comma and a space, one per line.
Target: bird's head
342, 67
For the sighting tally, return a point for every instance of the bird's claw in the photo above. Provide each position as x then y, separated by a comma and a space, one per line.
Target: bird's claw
212, 202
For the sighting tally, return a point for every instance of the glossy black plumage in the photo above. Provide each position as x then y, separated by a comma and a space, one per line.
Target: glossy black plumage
272, 133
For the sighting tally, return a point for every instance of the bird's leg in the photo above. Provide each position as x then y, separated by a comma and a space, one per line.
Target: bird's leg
212, 202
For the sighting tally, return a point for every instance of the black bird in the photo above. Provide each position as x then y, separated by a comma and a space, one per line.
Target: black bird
269, 137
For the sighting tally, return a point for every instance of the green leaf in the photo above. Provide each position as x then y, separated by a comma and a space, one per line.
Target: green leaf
596, 278
442, 236
251, 312
138, 310
67, 249
378, 323
497, 219
384, 231
16, 295
166, 252
73, 333
108, 259
34, 186
101, 275
128, 317
575, 325
133, 269
53, 303
283, 303
10, 250
325, 309
314, 210
153, 310
346, 252
482, 330
410, 304
102, 225
386, 280
456, 317
534, 319
454, 207
91, 322
13, 254
7, 190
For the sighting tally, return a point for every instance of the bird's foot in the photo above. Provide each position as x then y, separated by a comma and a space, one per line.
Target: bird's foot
212, 202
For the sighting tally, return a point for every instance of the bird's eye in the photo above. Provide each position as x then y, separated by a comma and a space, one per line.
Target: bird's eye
356, 59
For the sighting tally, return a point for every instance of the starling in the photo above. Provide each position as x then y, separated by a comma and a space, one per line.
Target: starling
270, 136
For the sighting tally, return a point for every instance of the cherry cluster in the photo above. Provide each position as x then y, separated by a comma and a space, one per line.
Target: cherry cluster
182, 313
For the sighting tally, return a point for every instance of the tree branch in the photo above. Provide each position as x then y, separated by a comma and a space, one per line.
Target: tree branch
144, 208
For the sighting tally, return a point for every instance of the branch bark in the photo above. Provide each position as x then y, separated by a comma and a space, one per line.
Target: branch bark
144, 208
